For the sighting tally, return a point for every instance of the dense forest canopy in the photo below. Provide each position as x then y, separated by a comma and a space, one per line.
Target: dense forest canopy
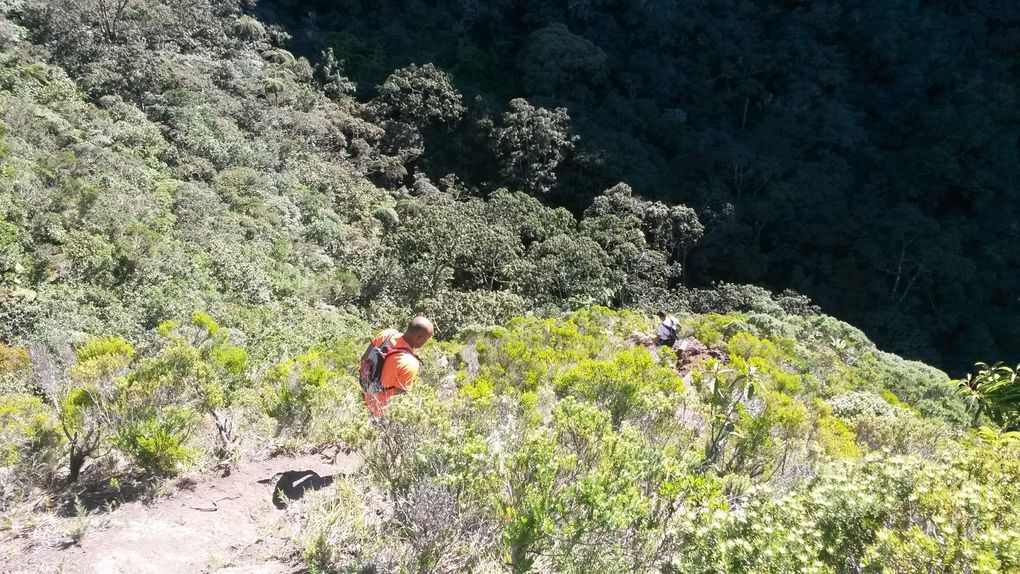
864, 153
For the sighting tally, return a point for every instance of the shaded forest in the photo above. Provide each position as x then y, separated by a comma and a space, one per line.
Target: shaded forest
863, 153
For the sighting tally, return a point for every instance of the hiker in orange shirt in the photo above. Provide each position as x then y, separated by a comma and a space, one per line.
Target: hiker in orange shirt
389, 365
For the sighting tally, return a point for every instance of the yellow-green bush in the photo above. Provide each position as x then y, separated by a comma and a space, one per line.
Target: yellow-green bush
313, 398
567, 447
102, 357
773, 441
15, 369
289, 387
835, 438
13, 359
30, 442
627, 385
715, 329
532, 351
159, 441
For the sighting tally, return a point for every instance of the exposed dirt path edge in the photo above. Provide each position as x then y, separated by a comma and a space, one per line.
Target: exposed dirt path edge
222, 524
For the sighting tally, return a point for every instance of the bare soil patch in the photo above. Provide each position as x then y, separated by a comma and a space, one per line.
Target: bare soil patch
211, 523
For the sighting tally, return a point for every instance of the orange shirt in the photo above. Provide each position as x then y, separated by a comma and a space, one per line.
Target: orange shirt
398, 372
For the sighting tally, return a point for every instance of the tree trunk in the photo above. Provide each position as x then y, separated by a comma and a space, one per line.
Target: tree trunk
76, 462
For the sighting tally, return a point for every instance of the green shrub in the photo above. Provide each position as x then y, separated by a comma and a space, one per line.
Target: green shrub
727, 298
338, 531
746, 346
588, 517
15, 365
567, 267
530, 351
861, 403
337, 288
715, 329
628, 386
834, 436
452, 311
83, 413
290, 384
994, 391
770, 443
830, 328
925, 388
102, 357
158, 441
723, 393
13, 359
857, 513
248, 29
30, 442
85, 405
768, 326
902, 432
311, 398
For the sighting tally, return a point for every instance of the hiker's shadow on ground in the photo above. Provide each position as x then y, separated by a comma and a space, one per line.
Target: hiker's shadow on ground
293, 484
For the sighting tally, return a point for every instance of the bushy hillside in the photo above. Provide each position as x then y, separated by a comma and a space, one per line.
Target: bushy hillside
312, 174
824, 144
556, 445
199, 231
184, 161
560, 446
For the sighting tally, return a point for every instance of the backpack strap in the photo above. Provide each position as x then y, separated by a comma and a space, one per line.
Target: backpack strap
672, 326
388, 348
386, 344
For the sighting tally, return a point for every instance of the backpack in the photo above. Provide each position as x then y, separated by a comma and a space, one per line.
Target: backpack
672, 326
370, 369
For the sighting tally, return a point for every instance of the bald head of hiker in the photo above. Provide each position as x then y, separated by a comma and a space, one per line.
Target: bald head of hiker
419, 331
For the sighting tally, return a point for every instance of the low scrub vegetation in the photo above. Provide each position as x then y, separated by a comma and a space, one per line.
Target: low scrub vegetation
558, 444
200, 229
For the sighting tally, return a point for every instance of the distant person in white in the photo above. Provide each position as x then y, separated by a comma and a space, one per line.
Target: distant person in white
668, 330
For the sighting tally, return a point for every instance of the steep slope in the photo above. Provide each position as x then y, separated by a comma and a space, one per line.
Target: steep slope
199, 231
189, 162
864, 143
560, 445
119, 214
255, 177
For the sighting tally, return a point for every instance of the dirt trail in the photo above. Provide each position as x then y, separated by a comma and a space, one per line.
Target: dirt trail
221, 524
